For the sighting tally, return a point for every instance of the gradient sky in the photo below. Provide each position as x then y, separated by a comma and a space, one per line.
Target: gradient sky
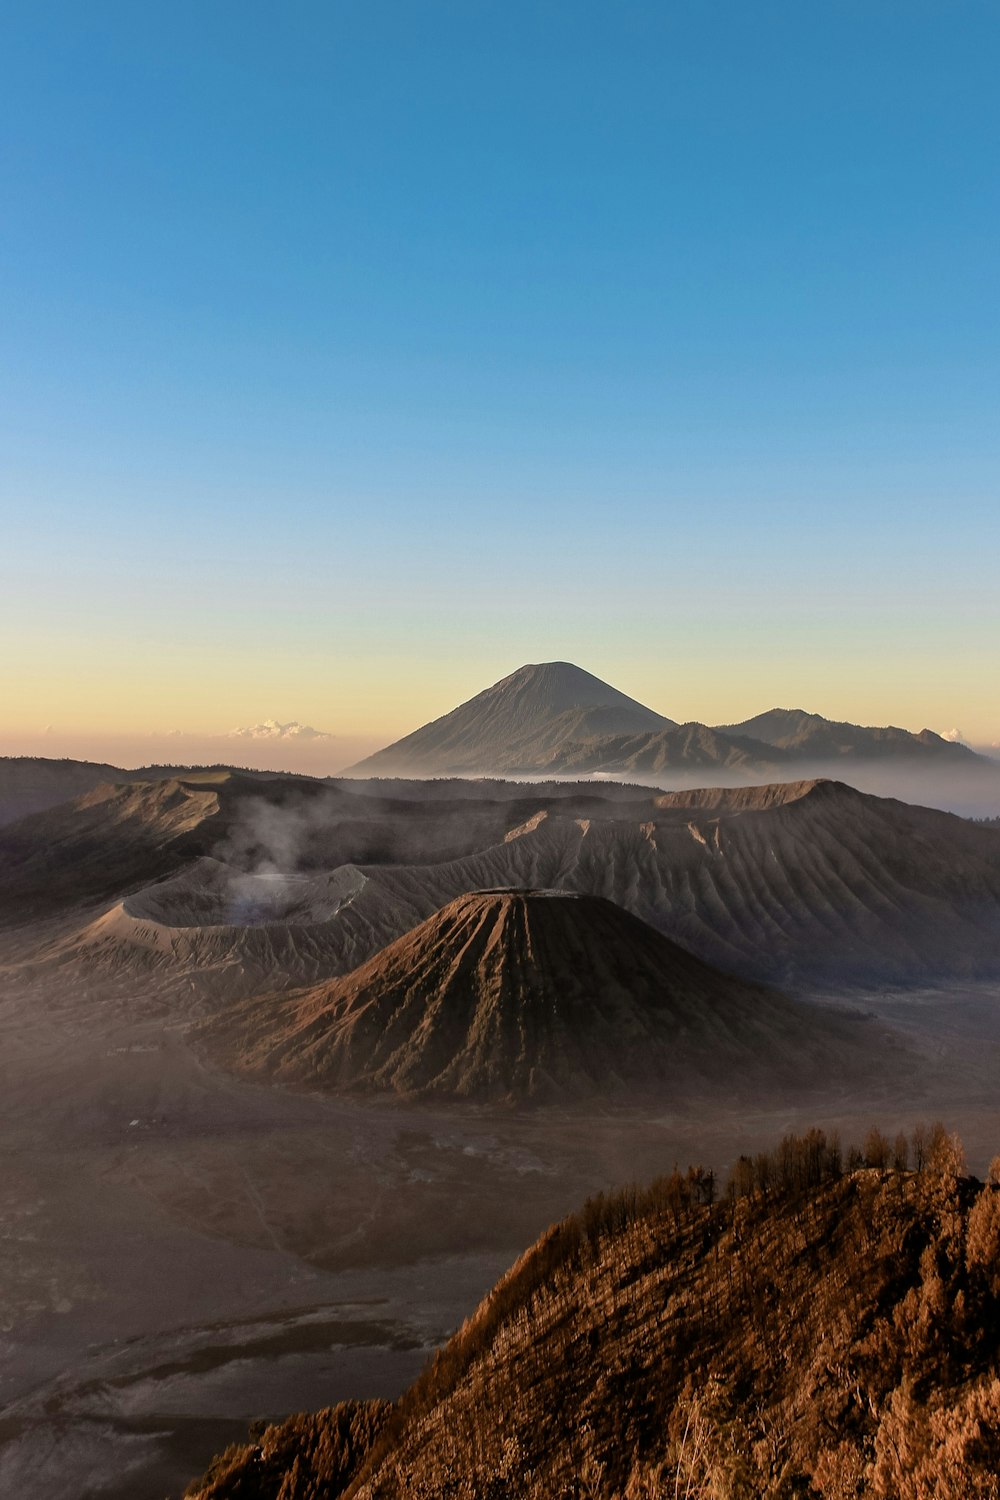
352, 354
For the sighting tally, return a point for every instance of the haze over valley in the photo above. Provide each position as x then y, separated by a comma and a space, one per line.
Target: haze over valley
553, 719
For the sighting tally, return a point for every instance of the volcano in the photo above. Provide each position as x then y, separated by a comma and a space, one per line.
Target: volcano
527, 720
533, 994
554, 719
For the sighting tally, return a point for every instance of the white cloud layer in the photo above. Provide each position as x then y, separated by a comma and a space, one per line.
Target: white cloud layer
954, 736
270, 729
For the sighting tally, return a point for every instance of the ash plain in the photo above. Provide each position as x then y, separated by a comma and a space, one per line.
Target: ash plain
185, 1252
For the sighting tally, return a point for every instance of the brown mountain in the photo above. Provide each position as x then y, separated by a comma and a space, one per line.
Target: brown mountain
540, 995
32, 783
793, 884
820, 1333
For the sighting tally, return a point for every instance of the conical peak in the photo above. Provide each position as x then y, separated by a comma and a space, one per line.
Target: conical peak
562, 685
509, 921
517, 992
521, 892
571, 913
519, 722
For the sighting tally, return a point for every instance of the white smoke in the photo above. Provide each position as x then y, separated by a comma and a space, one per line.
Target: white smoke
270, 838
954, 736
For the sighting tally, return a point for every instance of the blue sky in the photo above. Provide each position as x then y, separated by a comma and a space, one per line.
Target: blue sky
352, 354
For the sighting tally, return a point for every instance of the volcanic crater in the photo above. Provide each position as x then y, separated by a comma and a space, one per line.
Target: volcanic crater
212, 894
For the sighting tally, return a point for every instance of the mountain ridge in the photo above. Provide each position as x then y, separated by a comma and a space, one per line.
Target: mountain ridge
806, 883
553, 718
829, 1328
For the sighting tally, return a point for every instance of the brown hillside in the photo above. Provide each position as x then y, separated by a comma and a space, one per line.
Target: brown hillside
103, 842
814, 1335
793, 884
535, 994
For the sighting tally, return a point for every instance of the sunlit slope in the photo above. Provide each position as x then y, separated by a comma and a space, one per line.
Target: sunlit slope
820, 1334
512, 994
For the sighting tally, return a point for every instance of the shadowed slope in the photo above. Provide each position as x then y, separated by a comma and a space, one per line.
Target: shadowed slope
807, 883
29, 784
810, 736
33, 783
105, 841
534, 994
555, 719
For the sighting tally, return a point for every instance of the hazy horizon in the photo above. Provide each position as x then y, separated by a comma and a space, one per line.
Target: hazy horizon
312, 750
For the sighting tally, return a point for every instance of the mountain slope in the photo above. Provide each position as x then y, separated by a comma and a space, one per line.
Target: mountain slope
817, 1334
30, 783
687, 747
808, 736
103, 842
521, 722
541, 995
33, 783
793, 884
555, 719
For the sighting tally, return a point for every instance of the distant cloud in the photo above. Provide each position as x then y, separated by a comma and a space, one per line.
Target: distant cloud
954, 736
270, 729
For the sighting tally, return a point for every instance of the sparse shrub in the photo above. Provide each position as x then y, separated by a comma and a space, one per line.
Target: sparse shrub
877, 1151
309, 1455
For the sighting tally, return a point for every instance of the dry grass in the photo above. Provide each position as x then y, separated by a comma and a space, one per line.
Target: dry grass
819, 1332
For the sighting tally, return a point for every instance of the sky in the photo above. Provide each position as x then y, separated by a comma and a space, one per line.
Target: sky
354, 354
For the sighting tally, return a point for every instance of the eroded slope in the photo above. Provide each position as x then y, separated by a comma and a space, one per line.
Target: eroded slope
541, 995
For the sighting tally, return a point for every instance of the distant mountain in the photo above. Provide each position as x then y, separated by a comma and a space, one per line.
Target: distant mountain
811, 737
692, 747
818, 1332
543, 995
527, 721
554, 719
33, 783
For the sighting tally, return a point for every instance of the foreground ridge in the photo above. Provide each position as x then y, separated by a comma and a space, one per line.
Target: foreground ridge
829, 1329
